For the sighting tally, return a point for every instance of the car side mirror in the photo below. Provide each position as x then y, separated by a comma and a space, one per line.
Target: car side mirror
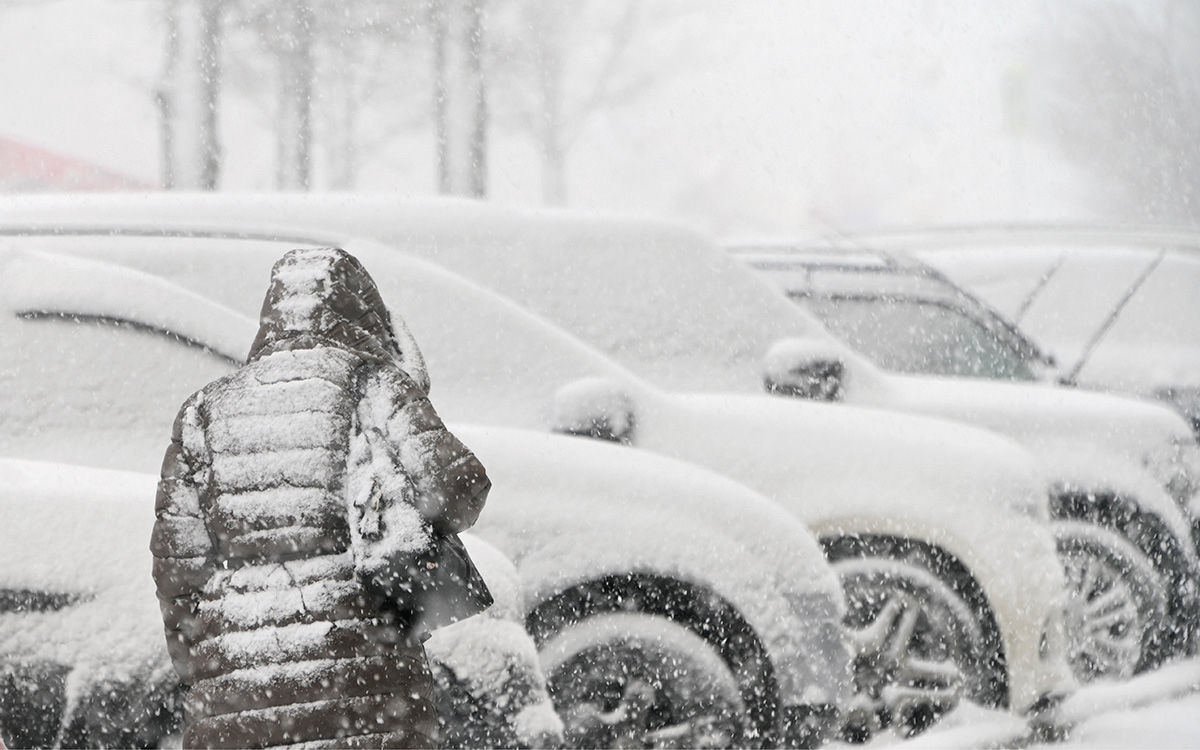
595, 408
803, 368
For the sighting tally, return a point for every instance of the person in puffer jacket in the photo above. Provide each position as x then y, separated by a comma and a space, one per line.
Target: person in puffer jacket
306, 526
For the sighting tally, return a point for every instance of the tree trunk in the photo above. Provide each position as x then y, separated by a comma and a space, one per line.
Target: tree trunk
293, 132
188, 96
460, 98
554, 155
344, 169
548, 120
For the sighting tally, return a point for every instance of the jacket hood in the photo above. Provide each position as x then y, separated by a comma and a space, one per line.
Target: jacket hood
325, 297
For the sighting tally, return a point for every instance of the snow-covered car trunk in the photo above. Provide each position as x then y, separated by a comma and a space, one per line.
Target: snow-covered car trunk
495, 363
83, 659
93, 375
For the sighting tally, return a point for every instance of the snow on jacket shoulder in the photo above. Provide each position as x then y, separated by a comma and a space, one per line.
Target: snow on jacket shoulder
290, 489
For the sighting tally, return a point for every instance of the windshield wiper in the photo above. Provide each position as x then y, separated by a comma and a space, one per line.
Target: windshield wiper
1108, 323
1037, 289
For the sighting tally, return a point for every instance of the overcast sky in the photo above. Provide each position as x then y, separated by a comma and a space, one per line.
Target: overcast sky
788, 116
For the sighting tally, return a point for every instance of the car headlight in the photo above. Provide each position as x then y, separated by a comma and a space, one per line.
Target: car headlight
1177, 467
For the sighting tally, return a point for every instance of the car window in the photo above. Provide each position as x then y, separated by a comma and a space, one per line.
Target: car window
915, 336
67, 381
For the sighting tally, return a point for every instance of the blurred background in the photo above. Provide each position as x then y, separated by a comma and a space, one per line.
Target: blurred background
750, 117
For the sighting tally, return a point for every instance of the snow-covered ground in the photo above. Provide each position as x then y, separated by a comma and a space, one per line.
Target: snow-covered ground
1171, 723
1160, 709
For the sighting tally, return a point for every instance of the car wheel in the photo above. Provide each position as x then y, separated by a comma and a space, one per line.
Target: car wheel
1116, 601
635, 680
918, 647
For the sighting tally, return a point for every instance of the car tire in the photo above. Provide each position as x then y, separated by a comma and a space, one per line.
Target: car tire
918, 646
1117, 605
631, 679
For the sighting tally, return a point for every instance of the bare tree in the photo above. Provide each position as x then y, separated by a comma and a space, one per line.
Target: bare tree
566, 61
1123, 103
460, 97
371, 59
188, 95
294, 22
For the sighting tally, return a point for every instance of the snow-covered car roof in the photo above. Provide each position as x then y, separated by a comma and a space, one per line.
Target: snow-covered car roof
480, 349
706, 331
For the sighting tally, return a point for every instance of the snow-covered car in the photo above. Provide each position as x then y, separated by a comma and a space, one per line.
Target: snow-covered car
908, 318
933, 526
83, 659
667, 601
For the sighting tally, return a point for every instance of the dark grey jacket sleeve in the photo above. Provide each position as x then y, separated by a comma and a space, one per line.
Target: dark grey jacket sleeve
180, 543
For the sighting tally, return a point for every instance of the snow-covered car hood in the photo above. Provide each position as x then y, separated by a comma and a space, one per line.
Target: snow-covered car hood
1080, 439
1038, 413
823, 460
861, 472
648, 513
84, 533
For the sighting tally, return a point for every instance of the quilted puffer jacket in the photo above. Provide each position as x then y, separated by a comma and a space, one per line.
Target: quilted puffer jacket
304, 505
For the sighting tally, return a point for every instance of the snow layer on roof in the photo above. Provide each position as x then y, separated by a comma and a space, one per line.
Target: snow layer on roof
656, 296
485, 355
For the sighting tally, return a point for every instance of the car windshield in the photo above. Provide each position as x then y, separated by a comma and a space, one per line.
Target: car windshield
919, 337
1164, 309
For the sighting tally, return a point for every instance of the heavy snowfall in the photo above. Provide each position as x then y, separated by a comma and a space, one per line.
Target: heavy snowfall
600, 373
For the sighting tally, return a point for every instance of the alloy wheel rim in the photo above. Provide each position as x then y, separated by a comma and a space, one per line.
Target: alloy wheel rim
1104, 624
619, 698
905, 671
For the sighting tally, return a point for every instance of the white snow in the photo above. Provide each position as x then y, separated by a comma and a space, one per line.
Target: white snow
84, 533
579, 404
1158, 709
1173, 724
